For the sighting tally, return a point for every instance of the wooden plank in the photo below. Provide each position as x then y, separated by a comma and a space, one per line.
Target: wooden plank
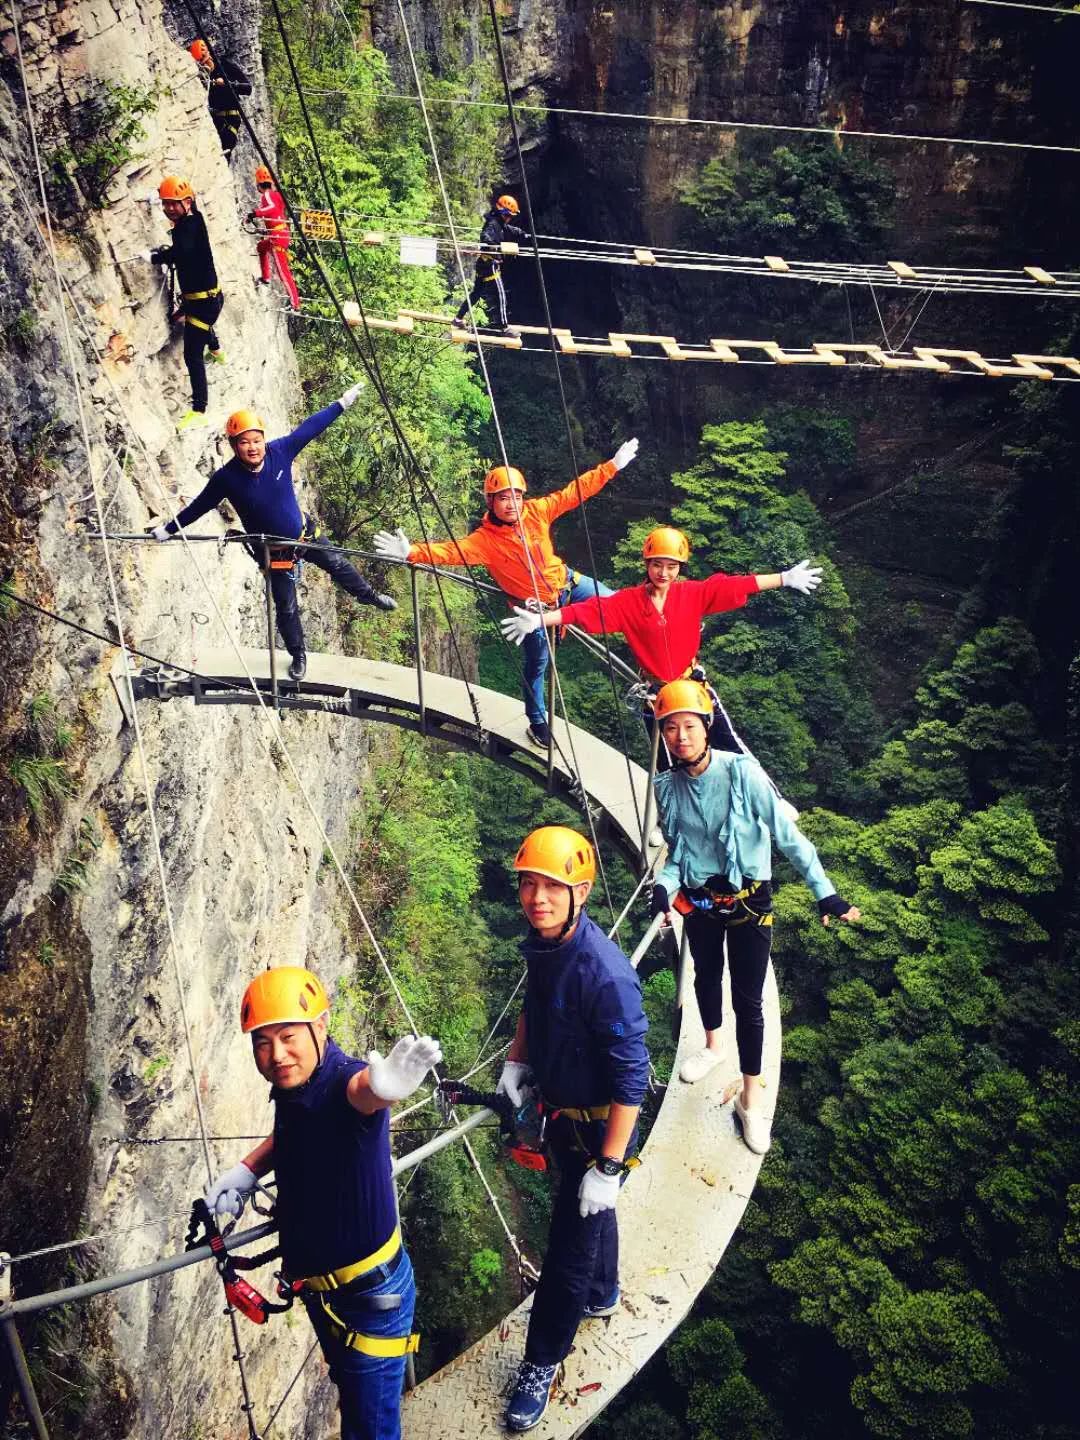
904, 272
373, 237
509, 247
644, 257
1047, 361
777, 263
1038, 273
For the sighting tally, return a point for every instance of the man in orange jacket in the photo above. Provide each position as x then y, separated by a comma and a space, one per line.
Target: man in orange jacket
513, 542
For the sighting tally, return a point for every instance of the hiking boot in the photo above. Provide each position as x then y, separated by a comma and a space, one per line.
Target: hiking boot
531, 1395
218, 356
538, 734
608, 1307
756, 1127
695, 1067
192, 420
298, 668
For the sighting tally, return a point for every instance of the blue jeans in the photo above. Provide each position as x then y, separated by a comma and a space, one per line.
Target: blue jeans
369, 1387
580, 587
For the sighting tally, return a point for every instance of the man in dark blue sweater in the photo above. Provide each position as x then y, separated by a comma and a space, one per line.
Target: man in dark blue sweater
336, 1211
581, 1041
258, 484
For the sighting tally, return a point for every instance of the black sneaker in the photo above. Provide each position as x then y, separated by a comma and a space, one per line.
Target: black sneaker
531, 1395
298, 668
538, 734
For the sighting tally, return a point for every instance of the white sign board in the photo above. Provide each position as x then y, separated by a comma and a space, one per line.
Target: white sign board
418, 250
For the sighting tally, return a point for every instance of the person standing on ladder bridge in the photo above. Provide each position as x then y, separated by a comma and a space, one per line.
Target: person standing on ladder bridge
226, 91
661, 621
201, 299
273, 246
720, 815
580, 1040
514, 544
336, 1211
498, 229
258, 483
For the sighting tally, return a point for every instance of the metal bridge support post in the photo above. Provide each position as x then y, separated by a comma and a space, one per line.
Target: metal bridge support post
415, 581
270, 623
19, 1367
647, 818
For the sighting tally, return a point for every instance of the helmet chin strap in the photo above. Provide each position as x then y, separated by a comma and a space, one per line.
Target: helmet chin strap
689, 764
569, 919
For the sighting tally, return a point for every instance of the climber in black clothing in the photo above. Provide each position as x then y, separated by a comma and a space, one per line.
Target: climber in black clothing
200, 294
226, 91
488, 281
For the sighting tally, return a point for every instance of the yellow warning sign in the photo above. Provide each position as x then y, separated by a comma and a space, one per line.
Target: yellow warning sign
318, 224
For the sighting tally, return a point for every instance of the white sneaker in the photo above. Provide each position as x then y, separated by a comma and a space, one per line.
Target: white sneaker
756, 1127
696, 1067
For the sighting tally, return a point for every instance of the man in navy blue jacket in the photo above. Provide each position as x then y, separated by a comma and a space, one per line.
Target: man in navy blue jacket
581, 1041
258, 483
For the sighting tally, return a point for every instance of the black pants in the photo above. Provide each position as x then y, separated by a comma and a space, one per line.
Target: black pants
722, 734
283, 587
487, 286
581, 1263
227, 125
199, 332
748, 947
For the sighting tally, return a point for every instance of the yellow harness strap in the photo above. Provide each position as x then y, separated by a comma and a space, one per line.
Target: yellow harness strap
200, 294
348, 1273
593, 1112
383, 1347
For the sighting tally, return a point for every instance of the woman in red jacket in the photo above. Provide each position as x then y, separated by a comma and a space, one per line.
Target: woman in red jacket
661, 621
274, 245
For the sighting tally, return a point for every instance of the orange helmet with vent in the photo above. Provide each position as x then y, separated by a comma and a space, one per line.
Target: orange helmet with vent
282, 996
508, 203
666, 543
263, 176
175, 188
559, 853
241, 420
504, 477
679, 696
200, 51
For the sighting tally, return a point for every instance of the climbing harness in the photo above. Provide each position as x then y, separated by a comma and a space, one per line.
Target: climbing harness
240, 1294
529, 1154
720, 904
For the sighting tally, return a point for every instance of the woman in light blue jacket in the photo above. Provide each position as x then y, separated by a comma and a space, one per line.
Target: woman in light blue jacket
720, 815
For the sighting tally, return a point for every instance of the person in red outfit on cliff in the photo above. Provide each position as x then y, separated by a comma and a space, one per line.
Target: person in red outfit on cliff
274, 245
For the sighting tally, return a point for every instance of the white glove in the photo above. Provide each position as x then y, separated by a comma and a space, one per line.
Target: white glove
803, 577
393, 546
229, 1191
515, 1082
626, 452
350, 395
523, 622
159, 532
398, 1075
597, 1192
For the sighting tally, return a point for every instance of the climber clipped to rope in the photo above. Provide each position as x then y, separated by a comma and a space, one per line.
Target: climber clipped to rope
580, 1042
720, 814
226, 89
273, 246
258, 483
201, 300
513, 542
498, 229
336, 1211
661, 621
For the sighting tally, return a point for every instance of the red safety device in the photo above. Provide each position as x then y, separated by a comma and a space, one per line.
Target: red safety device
239, 1293
529, 1156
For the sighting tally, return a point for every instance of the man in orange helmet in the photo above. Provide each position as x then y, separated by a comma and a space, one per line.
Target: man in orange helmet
228, 85
258, 483
580, 1041
661, 621
335, 1208
488, 285
201, 299
514, 543
273, 246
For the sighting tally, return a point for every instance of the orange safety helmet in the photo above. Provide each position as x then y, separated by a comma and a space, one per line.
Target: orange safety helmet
504, 477
508, 203
665, 543
263, 176
678, 696
278, 997
174, 188
559, 853
242, 420
200, 51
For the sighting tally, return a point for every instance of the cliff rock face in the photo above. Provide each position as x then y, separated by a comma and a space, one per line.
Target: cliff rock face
90, 1017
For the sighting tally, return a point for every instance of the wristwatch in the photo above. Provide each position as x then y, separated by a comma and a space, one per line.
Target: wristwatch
607, 1166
